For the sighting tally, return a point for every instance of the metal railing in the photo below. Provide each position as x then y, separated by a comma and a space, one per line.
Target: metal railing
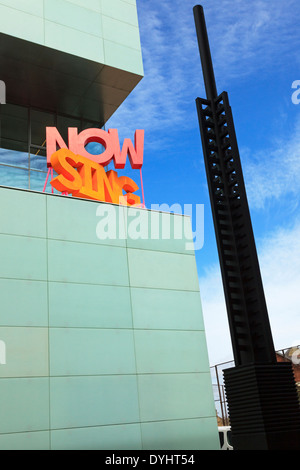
219, 388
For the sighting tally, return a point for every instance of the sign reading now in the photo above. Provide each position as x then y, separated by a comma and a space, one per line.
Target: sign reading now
109, 140
82, 174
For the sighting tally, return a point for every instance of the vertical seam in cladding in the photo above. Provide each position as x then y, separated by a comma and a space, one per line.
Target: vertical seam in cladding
133, 329
48, 311
102, 32
44, 22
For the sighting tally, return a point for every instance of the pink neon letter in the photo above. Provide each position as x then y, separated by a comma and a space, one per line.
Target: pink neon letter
93, 135
53, 138
110, 141
135, 153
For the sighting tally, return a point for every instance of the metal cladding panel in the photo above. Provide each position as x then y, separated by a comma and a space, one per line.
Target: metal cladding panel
72, 57
104, 339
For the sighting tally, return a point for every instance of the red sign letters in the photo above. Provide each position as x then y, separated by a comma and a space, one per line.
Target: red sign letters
82, 174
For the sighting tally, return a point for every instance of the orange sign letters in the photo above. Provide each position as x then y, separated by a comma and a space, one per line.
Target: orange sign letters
83, 175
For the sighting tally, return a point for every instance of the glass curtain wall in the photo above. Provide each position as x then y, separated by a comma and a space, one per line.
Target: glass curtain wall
23, 144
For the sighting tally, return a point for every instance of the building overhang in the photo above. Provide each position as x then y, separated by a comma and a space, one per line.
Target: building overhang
39, 76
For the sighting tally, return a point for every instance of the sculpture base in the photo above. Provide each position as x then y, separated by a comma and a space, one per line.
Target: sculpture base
264, 408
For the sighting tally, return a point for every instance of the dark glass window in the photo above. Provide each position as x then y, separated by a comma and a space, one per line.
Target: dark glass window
23, 161
63, 124
14, 127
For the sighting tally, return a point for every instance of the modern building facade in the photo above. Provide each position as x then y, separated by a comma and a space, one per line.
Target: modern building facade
65, 64
102, 341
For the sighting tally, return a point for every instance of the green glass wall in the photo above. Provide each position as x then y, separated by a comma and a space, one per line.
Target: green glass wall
23, 150
105, 342
103, 31
80, 58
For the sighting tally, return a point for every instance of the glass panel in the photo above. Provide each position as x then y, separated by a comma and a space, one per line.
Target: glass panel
14, 125
39, 121
91, 124
14, 177
63, 124
38, 160
14, 133
12, 157
38, 179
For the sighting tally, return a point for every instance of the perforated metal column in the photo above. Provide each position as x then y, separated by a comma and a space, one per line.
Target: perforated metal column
263, 405
246, 305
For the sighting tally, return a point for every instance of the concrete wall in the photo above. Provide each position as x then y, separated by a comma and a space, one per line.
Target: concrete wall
105, 342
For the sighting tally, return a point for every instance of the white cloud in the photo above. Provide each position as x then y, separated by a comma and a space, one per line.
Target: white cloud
280, 266
245, 37
279, 256
215, 317
273, 173
249, 36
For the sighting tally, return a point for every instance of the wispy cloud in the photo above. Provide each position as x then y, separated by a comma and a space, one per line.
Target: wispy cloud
248, 36
279, 256
245, 38
274, 173
159, 100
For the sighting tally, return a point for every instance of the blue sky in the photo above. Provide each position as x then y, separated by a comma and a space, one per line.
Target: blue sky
255, 49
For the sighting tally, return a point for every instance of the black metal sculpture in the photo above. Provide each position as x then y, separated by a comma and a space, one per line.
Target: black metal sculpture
261, 393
